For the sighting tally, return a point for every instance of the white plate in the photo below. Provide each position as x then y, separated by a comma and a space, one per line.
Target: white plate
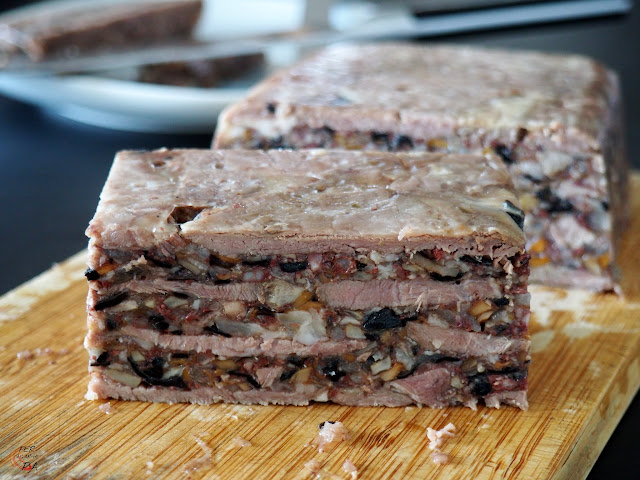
134, 106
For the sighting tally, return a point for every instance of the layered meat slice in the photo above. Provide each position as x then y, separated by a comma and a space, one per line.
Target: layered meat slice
363, 278
554, 120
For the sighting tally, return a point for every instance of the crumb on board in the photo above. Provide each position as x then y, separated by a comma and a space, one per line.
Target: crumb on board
199, 462
107, 408
40, 352
315, 467
350, 468
437, 438
330, 435
150, 466
239, 442
440, 458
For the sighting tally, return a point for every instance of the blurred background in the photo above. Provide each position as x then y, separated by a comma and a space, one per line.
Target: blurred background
59, 134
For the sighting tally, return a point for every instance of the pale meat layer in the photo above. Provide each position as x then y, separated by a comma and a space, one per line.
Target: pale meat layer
283, 200
382, 87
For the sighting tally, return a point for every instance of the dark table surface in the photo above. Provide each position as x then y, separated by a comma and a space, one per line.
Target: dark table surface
52, 170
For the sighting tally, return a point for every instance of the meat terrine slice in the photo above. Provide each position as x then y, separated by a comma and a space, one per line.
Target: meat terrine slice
67, 29
362, 278
555, 121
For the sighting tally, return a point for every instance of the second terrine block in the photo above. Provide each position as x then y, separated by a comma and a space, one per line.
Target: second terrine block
555, 121
362, 278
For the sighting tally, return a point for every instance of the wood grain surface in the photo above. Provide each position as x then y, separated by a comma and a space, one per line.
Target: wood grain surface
585, 371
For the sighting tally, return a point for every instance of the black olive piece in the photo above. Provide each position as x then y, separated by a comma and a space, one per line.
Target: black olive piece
370, 360
435, 358
180, 295
258, 263
91, 274
275, 142
179, 355
504, 153
271, 108
295, 360
287, 375
372, 336
381, 138
515, 213
361, 266
498, 329
181, 274
554, 204
111, 324
252, 381
102, 360
483, 260
605, 206
518, 375
223, 281
291, 267
442, 278
532, 179
521, 133
111, 301
158, 323
328, 130
332, 370
156, 369
403, 143
501, 302
175, 381
382, 320
213, 328
327, 421
156, 261
216, 261
265, 311
480, 385
176, 332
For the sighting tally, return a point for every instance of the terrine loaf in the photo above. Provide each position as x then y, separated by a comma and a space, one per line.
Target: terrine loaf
555, 121
68, 29
362, 278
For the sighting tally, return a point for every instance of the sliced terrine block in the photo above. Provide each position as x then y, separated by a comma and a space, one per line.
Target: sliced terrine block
67, 29
555, 121
362, 278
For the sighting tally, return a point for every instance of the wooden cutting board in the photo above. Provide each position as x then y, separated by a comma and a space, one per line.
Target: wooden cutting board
585, 371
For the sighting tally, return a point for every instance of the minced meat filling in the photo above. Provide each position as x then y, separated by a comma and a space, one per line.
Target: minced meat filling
304, 318
367, 368
198, 264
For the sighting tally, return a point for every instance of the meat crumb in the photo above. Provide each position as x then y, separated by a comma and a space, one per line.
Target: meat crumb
313, 466
350, 468
440, 458
438, 437
199, 462
239, 442
318, 473
107, 408
330, 435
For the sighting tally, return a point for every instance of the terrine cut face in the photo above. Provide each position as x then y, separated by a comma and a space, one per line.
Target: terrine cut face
554, 120
66, 29
361, 278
